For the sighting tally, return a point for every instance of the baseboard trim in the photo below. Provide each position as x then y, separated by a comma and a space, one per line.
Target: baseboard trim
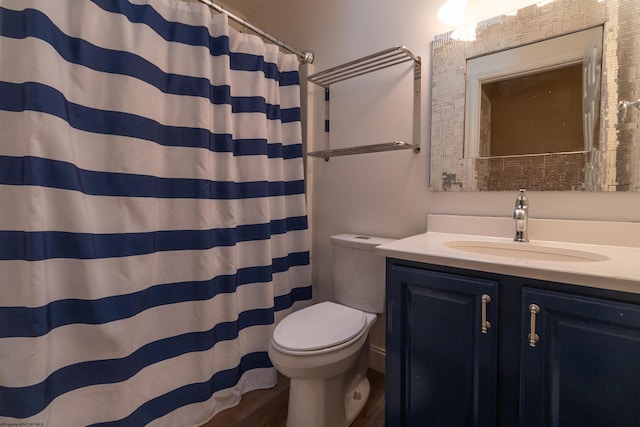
376, 358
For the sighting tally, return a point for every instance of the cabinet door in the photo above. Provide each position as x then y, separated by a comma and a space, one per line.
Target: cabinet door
585, 367
441, 364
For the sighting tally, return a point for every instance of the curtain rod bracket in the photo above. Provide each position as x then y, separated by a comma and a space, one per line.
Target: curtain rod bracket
308, 57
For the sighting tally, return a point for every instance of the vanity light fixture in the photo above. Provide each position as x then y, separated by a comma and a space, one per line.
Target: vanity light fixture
452, 12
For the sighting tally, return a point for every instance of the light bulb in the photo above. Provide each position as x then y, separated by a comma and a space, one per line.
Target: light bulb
452, 12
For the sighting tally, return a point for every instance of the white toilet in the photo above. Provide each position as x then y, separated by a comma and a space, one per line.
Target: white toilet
324, 348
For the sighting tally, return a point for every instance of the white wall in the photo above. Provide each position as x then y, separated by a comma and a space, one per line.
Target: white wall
386, 194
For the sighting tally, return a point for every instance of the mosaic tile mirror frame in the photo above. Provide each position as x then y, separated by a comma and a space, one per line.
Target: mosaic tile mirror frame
612, 165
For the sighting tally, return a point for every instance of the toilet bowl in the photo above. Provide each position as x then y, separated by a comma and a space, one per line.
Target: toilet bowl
324, 348
327, 367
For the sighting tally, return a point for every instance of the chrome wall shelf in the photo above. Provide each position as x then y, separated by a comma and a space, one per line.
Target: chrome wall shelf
377, 61
361, 149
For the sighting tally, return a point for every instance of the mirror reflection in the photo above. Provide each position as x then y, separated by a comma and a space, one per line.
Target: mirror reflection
539, 98
533, 114
542, 99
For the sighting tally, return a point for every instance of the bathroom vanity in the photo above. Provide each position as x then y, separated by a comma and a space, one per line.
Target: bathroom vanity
484, 331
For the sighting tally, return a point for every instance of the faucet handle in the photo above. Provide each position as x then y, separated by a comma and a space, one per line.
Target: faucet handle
520, 214
521, 200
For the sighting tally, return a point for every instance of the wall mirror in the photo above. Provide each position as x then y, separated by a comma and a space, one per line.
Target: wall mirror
545, 98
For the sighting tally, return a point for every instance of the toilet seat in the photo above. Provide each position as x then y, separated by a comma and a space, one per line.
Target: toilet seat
319, 328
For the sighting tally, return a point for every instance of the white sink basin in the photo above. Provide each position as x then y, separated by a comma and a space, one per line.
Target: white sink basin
525, 250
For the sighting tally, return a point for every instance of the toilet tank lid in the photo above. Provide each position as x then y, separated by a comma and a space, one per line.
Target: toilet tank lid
359, 241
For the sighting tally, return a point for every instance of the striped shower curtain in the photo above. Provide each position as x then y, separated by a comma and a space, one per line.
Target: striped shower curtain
152, 211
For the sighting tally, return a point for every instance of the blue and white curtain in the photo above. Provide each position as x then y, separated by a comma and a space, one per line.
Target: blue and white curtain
153, 224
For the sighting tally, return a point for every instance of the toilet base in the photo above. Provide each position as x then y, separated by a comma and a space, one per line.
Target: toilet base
323, 403
355, 400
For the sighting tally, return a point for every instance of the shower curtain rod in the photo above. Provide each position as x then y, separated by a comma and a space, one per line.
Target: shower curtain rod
305, 57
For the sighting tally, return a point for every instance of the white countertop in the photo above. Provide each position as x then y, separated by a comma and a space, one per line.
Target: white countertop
620, 271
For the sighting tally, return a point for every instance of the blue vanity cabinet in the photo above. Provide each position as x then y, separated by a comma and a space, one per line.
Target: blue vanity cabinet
441, 354
556, 354
580, 361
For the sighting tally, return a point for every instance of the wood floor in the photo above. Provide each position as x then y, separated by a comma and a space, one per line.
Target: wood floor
268, 408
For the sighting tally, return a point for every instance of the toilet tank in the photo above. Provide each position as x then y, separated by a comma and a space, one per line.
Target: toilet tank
358, 273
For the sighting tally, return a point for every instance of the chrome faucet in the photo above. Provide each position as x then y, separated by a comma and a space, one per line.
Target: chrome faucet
521, 215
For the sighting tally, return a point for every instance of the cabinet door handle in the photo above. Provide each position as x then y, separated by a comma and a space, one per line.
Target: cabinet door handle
485, 299
533, 337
